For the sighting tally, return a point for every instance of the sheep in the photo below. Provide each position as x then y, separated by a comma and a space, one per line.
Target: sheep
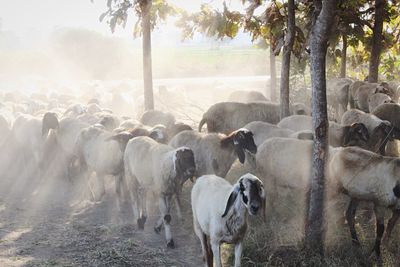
340, 90
380, 131
353, 171
300, 109
361, 94
154, 117
339, 135
102, 157
264, 130
65, 136
390, 112
158, 133
377, 99
220, 212
246, 96
296, 123
177, 128
366, 176
215, 153
150, 166
75, 110
27, 131
4, 129
226, 117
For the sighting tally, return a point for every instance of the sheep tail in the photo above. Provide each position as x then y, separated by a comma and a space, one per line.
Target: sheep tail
202, 122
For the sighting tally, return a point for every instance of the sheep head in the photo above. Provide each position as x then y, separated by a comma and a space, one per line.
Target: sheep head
122, 138
49, 121
242, 140
184, 164
355, 135
251, 192
109, 122
159, 133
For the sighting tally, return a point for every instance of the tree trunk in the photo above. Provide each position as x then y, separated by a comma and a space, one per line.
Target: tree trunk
323, 18
147, 67
376, 46
272, 69
343, 56
285, 70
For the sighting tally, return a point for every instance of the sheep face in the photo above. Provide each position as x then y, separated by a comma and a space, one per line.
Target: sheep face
109, 123
388, 131
250, 189
356, 135
184, 164
242, 141
159, 133
49, 121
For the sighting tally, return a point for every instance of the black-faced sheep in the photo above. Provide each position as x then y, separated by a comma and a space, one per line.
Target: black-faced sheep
380, 131
390, 112
150, 166
215, 153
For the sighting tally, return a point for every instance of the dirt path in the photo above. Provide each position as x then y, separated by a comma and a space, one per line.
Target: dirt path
49, 223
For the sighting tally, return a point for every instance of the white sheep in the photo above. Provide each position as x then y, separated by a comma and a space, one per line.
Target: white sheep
150, 166
215, 153
264, 130
220, 212
98, 154
377, 99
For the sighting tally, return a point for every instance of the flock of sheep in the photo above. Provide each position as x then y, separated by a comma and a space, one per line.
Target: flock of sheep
155, 155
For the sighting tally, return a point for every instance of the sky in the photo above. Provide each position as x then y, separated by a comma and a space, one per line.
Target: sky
33, 21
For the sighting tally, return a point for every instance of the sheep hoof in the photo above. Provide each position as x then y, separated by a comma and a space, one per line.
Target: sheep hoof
157, 229
356, 243
141, 221
171, 244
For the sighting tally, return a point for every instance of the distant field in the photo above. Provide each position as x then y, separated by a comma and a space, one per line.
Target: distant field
222, 61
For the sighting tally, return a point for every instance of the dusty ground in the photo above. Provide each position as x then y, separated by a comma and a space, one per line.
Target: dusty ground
50, 222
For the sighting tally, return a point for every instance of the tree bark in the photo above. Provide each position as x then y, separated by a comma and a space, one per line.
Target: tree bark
287, 51
147, 65
376, 46
323, 18
272, 69
343, 60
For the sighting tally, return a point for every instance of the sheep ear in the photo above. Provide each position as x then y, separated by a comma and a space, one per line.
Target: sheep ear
231, 200
240, 153
396, 190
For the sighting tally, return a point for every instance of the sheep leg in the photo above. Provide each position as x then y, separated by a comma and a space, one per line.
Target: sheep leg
215, 249
350, 215
120, 185
380, 228
165, 208
143, 211
102, 187
159, 225
178, 206
391, 224
238, 253
205, 246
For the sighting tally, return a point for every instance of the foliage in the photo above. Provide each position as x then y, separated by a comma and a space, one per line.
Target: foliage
117, 13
